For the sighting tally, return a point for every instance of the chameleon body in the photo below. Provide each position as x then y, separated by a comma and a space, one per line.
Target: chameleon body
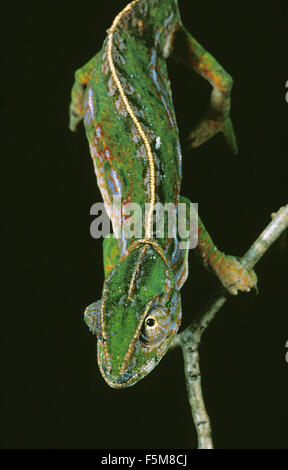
124, 96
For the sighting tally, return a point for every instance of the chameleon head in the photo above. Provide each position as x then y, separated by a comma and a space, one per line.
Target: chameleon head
137, 317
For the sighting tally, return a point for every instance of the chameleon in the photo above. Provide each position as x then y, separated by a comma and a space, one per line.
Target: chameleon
123, 94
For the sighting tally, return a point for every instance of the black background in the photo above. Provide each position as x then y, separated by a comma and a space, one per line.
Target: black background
52, 394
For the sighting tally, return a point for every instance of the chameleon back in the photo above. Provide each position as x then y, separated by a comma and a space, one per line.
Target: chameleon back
141, 43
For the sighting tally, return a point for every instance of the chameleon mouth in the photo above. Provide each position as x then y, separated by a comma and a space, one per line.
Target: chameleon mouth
128, 378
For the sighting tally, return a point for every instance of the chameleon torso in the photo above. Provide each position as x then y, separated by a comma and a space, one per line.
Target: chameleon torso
141, 44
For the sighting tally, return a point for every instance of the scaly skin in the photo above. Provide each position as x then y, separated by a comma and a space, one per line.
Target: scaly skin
124, 95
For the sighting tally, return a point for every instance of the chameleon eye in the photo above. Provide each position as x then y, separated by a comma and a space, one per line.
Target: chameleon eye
150, 322
155, 325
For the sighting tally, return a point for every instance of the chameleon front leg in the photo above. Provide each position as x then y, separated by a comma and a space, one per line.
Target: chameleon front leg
227, 268
82, 77
111, 257
188, 51
111, 254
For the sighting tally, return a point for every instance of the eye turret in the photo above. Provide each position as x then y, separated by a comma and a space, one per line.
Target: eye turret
155, 325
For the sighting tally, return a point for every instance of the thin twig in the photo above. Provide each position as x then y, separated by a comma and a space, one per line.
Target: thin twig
194, 389
190, 338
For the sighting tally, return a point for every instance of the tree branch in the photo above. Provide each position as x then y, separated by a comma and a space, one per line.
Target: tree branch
190, 338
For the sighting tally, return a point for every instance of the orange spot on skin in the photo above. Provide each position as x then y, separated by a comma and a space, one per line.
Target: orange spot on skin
140, 25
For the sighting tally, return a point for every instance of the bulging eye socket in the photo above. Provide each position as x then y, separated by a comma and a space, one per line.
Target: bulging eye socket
152, 330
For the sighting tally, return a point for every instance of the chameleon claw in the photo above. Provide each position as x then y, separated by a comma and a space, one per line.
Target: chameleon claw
229, 136
203, 132
234, 277
208, 128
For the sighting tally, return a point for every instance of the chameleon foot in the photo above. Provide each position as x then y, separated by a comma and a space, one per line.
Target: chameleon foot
234, 276
210, 127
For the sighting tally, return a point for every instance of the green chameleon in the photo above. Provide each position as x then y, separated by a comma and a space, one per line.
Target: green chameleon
124, 95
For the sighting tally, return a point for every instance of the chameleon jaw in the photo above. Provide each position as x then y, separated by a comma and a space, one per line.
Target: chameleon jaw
126, 379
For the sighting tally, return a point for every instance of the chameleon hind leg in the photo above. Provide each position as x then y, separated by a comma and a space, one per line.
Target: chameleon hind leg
233, 276
188, 51
82, 77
